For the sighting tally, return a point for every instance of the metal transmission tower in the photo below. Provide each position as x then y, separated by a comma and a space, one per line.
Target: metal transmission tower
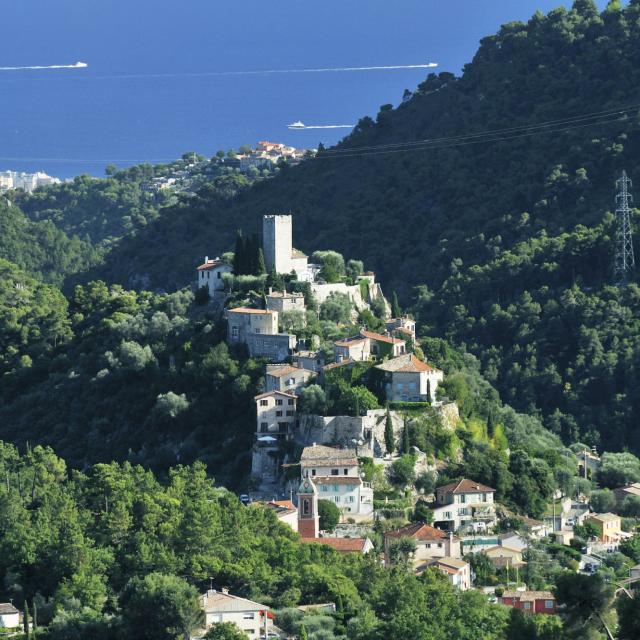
624, 260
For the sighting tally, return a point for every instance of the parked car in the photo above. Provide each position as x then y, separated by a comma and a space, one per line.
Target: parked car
245, 499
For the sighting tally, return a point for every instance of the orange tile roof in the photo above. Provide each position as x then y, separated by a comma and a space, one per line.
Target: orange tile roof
419, 531
211, 264
285, 370
378, 337
335, 365
407, 363
343, 545
248, 310
465, 486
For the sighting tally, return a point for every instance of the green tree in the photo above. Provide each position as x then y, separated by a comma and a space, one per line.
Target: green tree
628, 618
312, 400
396, 311
389, 437
405, 439
602, 500
225, 631
158, 607
337, 308
329, 515
402, 471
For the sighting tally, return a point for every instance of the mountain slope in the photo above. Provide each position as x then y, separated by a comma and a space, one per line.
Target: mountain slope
495, 229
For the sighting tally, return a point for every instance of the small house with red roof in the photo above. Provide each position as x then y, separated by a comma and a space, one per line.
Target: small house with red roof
409, 379
384, 346
210, 274
530, 601
430, 542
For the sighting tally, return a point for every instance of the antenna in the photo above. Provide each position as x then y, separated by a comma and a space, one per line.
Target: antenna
624, 259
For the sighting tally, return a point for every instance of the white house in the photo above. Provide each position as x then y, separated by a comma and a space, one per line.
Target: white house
9, 616
251, 617
336, 475
356, 348
457, 571
403, 325
258, 329
409, 379
430, 543
285, 511
210, 275
464, 504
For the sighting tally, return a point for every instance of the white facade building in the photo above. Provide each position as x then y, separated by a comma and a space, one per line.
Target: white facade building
251, 617
210, 275
9, 616
464, 504
279, 254
26, 181
336, 475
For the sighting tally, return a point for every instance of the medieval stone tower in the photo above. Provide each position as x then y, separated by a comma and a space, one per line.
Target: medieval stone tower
277, 242
308, 518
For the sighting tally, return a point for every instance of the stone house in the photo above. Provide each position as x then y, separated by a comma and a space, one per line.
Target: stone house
279, 254
503, 556
430, 543
464, 504
336, 474
310, 360
409, 379
281, 301
251, 617
285, 377
258, 329
383, 346
402, 325
357, 349
210, 274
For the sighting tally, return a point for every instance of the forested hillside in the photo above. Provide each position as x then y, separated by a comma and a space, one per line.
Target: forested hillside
511, 234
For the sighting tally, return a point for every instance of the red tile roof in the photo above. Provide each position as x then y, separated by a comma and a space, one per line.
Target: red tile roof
211, 264
465, 486
377, 337
418, 531
343, 545
275, 393
335, 365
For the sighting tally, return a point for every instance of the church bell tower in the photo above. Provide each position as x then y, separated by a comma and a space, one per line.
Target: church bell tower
308, 518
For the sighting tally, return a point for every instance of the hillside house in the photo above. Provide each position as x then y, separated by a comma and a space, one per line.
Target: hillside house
209, 275
621, 493
343, 545
382, 346
458, 572
530, 601
357, 349
285, 511
309, 360
464, 504
281, 301
430, 543
251, 617
285, 377
409, 379
9, 616
336, 474
276, 414
503, 556
258, 329
608, 525
402, 325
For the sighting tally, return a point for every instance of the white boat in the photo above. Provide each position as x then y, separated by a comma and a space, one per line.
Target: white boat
80, 65
296, 125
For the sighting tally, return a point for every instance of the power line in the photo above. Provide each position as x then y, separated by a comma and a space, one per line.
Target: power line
492, 135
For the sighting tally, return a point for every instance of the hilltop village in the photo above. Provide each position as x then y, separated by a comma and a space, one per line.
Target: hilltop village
336, 411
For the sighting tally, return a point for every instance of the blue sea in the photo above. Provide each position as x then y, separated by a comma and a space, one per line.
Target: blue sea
147, 95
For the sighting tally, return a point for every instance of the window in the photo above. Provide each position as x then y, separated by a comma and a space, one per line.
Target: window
290, 402
439, 545
279, 402
305, 507
290, 382
325, 487
248, 615
208, 274
219, 274
336, 498
234, 332
335, 472
351, 499
263, 426
548, 604
290, 413
484, 497
463, 498
264, 403
345, 471
256, 330
278, 414
412, 386
527, 605
399, 386
313, 472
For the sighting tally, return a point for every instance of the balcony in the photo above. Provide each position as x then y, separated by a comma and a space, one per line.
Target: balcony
484, 513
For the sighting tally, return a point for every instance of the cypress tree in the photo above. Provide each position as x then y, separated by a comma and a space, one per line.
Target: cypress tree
25, 620
303, 633
35, 618
405, 439
388, 434
429, 390
396, 311
490, 424
239, 254
262, 269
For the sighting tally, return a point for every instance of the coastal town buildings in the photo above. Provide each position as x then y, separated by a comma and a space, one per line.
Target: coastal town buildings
251, 617
430, 543
464, 504
409, 379
26, 181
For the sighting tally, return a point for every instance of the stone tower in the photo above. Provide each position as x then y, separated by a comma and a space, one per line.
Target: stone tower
277, 243
308, 518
